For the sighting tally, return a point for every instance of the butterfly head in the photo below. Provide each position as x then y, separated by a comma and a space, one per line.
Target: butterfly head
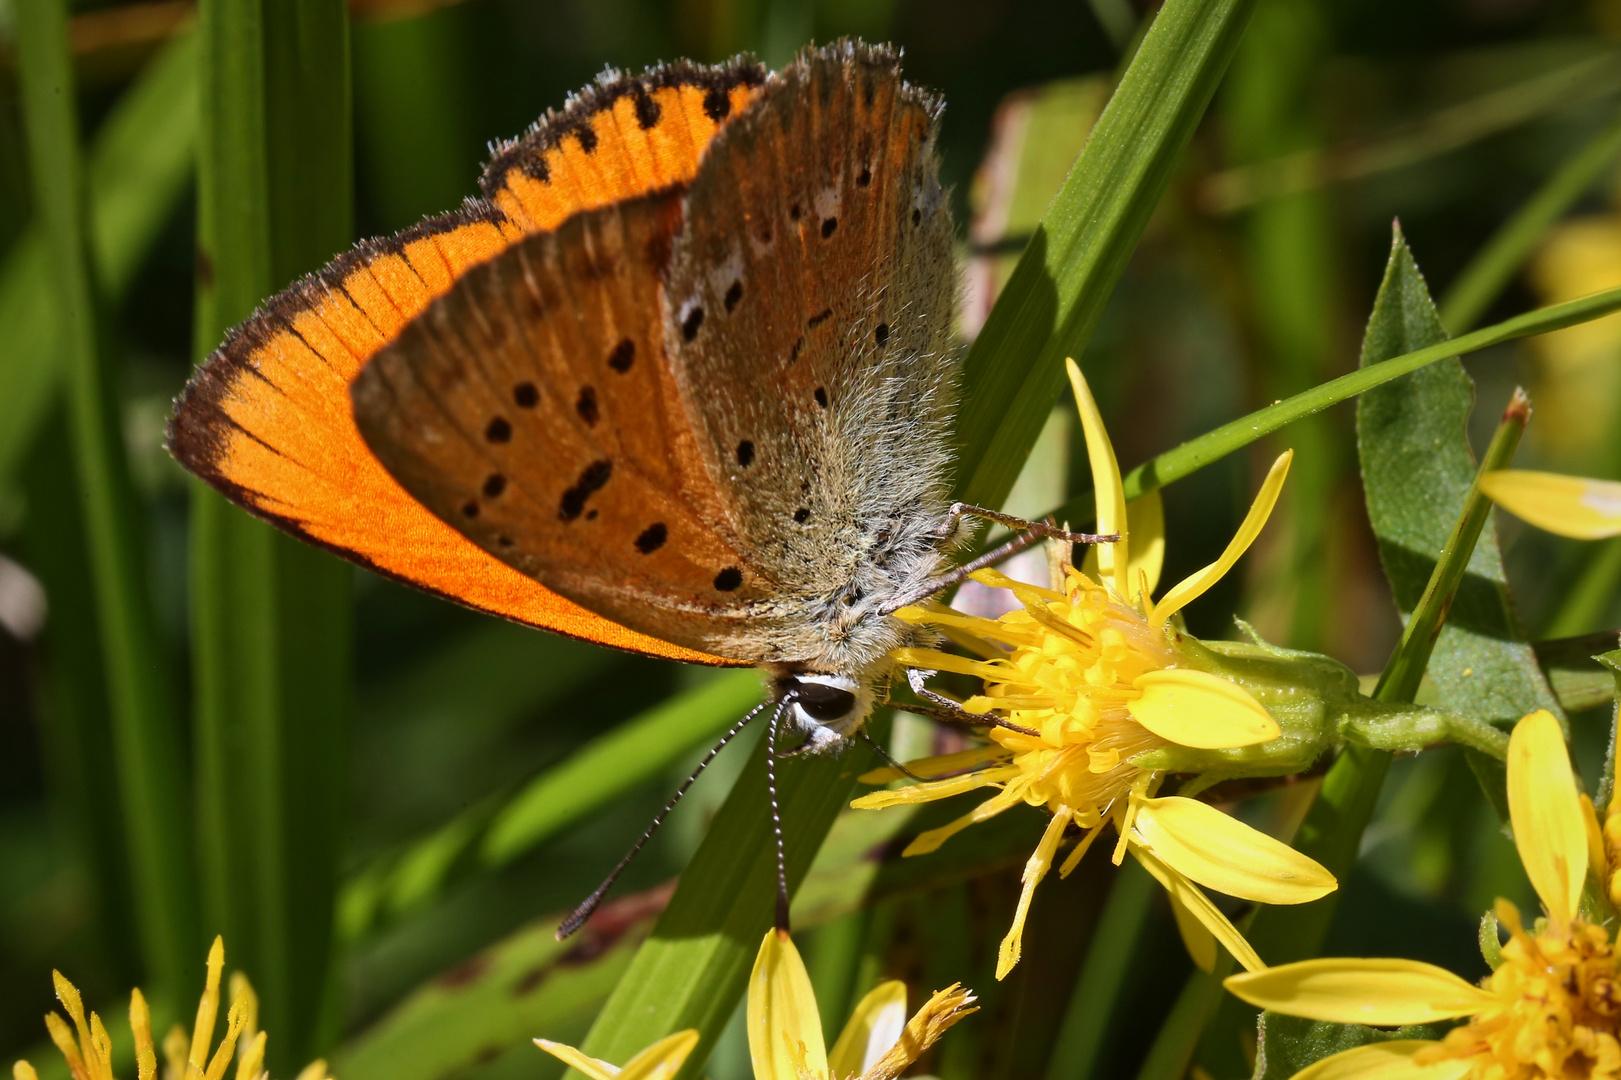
827, 708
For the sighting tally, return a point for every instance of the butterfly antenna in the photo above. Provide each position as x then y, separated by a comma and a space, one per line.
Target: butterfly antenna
776, 814
591, 903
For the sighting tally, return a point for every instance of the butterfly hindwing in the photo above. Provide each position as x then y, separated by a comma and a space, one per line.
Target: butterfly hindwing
809, 311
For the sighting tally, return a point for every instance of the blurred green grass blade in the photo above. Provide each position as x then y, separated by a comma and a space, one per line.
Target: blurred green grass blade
1212, 446
1419, 479
1592, 76
1090, 1015
270, 616
693, 969
486, 838
603, 769
1272, 104
137, 168
1495, 265
1591, 594
527, 985
75, 713
145, 722
1014, 371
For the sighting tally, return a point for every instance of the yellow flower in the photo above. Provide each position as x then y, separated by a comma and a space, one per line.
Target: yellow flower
1573, 506
90, 1056
660, 1061
1084, 683
785, 1029
1553, 1006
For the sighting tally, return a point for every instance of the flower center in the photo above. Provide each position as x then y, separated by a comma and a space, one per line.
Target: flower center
1075, 656
1557, 1011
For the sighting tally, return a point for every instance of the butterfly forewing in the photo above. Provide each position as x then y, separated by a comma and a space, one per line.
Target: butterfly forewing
267, 419
533, 409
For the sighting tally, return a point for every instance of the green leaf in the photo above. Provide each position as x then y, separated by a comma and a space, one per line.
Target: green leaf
1287, 1044
270, 616
1418, 471
1014, 371
1418, 478
146, 725
137, 169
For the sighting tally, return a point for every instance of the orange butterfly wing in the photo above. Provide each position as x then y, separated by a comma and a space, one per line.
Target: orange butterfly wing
267, 419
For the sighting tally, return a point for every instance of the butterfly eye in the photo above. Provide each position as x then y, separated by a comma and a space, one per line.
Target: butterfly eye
822, 702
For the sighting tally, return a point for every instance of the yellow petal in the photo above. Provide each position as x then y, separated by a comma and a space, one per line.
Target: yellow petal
938, 1014
930, 790
1222, 853
1596, 860
1567, 505
140, 1025
874, 1027
931, 839
663, 1059
1040, 862
1384, 993
1392, 1060
1196, 937
785, 1030
1194, 586
1114, 560
596, 1070
1188, 894
202, 1031
1198, 709
1547, 818
21, 1070
1145, 520
1145, 525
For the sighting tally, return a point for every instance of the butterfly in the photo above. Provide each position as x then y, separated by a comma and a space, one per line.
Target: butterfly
680, 382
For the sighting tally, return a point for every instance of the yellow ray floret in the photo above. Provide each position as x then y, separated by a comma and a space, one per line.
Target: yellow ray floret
1572, 506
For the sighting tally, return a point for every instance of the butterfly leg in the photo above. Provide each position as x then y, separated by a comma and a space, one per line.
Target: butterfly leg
946, 711
957, 574
1035, 528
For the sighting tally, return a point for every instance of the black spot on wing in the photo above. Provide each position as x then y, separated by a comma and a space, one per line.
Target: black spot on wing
652, 538
525, 395
623, 356
586, 406
498, 431
690, 324
728, 579
591, 480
